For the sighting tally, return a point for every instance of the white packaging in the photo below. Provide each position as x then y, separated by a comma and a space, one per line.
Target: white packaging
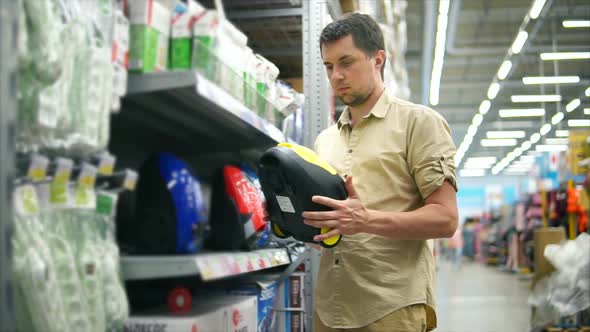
149, 36
291, 303
203, 319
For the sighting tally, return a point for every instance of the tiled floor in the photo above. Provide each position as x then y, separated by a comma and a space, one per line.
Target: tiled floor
481, 298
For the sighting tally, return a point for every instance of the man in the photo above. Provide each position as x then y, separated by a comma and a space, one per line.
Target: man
397, 158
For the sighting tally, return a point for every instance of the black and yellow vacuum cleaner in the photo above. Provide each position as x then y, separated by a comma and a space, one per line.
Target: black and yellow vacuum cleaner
290, 175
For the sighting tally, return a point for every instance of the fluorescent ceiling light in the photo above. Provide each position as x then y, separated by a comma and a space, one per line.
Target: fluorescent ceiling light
573, 105
485, 160
545, 129
550, 79
526, 145
517, 152
493, 90
472, 130
560, 141
439, 51
536, 9
550, 148
477, 119
565, 55
526, 112
587, 92
504, 69
499, 142
519, 42
535, 98
576, 24
506, 134
578, 123
484, 107
467, 140
476, 166
557, 118
528, 158
535, 138
472, 172
562, 133
586, 111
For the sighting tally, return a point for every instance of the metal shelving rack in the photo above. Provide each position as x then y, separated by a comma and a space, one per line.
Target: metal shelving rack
8, 65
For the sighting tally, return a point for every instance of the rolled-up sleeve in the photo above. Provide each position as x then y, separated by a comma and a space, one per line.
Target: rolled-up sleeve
431, 151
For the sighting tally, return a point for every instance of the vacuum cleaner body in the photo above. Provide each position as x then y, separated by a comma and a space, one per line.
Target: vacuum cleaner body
290, 176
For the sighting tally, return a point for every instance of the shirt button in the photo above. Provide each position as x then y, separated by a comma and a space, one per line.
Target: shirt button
349, 150
345, 176
336, 261
442, 158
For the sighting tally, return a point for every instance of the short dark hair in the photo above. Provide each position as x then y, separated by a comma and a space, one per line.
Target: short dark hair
365, 32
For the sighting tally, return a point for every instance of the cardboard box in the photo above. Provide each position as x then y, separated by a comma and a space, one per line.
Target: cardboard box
265, 292
216, 314
203, 319
291, 304
543, 237
149, 36
181, 45
204, 37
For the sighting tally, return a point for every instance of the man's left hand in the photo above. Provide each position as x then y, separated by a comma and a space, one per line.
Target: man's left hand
347, 217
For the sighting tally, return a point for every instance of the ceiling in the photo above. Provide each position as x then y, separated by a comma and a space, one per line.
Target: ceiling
479, 35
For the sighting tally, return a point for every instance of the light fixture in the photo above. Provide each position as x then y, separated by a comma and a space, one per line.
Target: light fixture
484, 107
499, 142
573, 105
525, 112
586, 111
550, 148
519, 41
536, 9
472, 172
553, 141
526, 145
517, 152
565, 55
506, 134
484, 160
472, 130
535, 138
439, 51
493, 90
477, 119
528, 158
578, 123
467, 140
550, 79
587, 92
535, 98
545, 129
562, 133
557, 118
576, 24
504, 69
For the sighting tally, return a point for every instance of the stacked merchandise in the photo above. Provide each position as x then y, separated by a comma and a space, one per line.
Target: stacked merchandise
396, 43
66, 260
66, 94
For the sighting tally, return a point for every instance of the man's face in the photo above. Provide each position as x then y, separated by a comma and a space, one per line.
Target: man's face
350, 71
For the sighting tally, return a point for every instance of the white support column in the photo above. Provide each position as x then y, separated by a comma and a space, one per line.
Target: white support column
8, 104
318, 97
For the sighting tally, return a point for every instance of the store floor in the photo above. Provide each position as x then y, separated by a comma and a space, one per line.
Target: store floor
481, 298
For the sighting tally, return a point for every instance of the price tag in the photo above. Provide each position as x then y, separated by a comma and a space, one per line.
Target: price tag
26, 202
38, 168
130, 179
106, 163
59, 187
84, 195
105, 203
242, 262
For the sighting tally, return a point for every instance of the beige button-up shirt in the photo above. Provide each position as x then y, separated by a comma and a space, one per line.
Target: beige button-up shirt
398, 155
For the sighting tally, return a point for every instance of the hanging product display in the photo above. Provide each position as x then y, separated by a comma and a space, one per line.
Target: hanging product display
290, 176
171, 215
237, 215
65, 94
66, 259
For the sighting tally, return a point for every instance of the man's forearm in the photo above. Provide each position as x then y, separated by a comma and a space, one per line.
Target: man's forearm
431, 221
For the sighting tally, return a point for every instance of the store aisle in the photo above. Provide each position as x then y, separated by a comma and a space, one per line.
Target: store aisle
481, 298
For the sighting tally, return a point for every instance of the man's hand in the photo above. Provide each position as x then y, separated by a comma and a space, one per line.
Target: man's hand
347, 217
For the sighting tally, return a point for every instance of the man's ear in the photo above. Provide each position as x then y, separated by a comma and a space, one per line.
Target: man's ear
380, 59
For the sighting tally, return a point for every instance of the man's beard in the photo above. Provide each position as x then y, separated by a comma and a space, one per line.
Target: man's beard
355, 99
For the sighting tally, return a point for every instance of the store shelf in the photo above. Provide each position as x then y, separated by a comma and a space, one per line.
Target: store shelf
184, 110
209, 266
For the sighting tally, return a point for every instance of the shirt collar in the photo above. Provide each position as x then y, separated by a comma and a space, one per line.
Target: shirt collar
379, 110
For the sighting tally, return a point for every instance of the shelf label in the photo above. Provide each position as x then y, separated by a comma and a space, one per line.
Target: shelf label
59, 191
38, 168
26, 202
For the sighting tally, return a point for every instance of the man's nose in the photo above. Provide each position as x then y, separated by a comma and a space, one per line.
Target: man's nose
336, 75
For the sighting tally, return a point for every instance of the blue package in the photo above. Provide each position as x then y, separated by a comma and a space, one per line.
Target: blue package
188, 202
